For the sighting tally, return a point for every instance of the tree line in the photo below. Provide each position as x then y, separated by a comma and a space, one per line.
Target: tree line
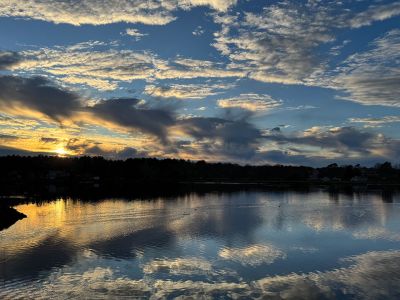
98, 170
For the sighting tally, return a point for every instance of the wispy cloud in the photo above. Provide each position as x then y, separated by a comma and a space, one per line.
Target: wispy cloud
253, 255
375, 13
198, 31
135, 33
372, 77
377, 120
252, 102
100, 66
187, 91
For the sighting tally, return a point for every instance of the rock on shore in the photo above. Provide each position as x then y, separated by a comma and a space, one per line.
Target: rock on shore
9, 216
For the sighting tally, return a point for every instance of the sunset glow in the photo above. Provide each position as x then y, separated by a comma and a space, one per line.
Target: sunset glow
61, 152
284, 82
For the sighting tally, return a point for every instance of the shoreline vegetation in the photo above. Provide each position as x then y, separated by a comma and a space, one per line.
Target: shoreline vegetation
26, 173
95, 177
20, 171
41, 178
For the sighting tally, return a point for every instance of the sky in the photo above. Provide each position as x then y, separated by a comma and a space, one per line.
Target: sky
251, 82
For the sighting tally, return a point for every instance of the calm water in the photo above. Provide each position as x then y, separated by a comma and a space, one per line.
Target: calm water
264, 245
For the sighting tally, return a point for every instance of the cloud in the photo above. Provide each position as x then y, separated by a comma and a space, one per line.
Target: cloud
375, 13
198, 31
278, 44
8, 137
215, 138
232, 137
194, 68
4, 151
372, 275
17, 123
93, 64
253, 255
9, 59
218, 138
130, 114
99, 84
377, 233
91, 147
299, 107
135, 33
372, 77
286, 43
340, 138
219, 5
377, 120
125, 153
79, 146
319, 146
89, 11
100, 12
252, 102
103, 67
179, 266
187, 91
367, 270
349, 138
49, 140
37, 94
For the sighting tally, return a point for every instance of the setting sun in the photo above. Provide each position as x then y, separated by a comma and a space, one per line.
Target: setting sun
61, 151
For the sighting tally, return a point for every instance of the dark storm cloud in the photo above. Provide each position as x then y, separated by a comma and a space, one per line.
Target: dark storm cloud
128, 113
232, 131
9, 59
41, 95
350, 144
37, 94
84, 146
230, 138
125, 153
94, 148
48, 140
349, 138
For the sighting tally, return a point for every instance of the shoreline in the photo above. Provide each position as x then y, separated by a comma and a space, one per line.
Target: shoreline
152, 189
9, 216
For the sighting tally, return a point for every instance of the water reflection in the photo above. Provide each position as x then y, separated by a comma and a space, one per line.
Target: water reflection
278, 245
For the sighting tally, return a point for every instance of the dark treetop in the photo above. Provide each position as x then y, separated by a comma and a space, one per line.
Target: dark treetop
24, 170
